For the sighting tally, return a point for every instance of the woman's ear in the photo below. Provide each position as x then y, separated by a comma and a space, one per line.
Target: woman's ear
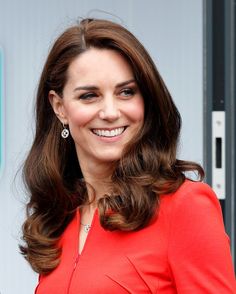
58, 106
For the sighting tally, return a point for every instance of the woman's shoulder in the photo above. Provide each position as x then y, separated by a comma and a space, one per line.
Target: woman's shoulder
190, 186
192, 199
198, 246
192, 192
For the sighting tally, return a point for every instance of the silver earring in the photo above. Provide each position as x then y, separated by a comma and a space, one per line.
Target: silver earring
65, 132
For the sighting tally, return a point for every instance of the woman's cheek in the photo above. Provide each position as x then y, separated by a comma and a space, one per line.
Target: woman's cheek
135, 110
81, 116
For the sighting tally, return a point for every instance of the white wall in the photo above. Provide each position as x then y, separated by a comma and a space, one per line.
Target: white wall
170, 30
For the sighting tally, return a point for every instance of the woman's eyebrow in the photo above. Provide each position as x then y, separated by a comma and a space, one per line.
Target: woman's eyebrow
88, 87
94, 88
125, 83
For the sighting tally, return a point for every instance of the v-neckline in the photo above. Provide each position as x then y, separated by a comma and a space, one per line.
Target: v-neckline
81, 252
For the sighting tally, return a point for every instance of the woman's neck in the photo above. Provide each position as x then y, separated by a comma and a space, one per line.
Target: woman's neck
97, 178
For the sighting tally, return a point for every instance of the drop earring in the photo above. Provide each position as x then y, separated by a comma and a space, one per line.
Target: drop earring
65, 132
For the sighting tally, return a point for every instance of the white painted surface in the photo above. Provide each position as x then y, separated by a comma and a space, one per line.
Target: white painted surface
172, 33
218, 173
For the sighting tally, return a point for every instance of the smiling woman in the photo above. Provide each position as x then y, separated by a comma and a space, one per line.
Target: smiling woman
103, 111
111, 209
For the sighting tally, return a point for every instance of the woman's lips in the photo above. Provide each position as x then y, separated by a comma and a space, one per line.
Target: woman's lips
108, 133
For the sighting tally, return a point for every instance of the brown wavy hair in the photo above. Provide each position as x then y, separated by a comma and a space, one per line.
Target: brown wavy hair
147, 168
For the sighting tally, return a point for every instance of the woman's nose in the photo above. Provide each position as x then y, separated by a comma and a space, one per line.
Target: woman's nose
109, 110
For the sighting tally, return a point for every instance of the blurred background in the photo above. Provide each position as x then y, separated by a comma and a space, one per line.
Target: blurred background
193, 45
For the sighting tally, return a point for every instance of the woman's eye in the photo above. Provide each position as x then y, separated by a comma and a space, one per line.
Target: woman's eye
127, 92
87, 96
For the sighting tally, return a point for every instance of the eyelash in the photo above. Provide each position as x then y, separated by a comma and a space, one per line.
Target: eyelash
126, 92
87, 96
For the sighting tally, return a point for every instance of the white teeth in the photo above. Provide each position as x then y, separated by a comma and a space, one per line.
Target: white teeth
107, 133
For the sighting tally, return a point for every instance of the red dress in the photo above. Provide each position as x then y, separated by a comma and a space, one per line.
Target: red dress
184, 250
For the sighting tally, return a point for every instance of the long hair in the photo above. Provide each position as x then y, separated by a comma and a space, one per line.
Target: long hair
148, 166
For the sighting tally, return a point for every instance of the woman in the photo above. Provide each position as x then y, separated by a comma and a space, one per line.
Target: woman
111, 208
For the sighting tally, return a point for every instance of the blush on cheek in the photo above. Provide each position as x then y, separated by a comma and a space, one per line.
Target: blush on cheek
135, 110
81, 117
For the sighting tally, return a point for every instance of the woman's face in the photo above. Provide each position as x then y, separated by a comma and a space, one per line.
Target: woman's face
101, 104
